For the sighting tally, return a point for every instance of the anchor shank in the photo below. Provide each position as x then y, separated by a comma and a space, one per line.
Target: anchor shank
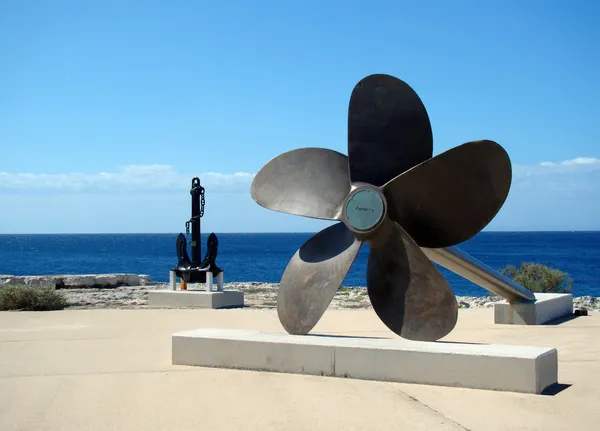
473, 270
195, 244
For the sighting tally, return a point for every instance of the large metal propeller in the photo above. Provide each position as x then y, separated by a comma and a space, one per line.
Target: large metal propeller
390, 193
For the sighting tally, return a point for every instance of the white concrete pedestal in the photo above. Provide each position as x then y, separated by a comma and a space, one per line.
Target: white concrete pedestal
207, 298
196, 298
547, 307
483, 366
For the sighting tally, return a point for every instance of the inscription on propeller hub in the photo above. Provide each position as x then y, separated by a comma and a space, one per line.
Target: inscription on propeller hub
364, 210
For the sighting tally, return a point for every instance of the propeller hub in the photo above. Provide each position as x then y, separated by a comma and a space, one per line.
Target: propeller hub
364, 209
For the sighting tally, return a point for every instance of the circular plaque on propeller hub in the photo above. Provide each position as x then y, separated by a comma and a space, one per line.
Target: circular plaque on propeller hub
364, 209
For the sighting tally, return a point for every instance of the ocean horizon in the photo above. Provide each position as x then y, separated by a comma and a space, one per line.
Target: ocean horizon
263, 256
271, 233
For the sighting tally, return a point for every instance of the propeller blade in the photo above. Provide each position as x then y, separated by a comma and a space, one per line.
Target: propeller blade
310, 182
406, 290
450, 198
388, 130
313, 276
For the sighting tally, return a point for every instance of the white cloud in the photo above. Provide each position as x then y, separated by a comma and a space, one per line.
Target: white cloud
585, 161
573, 166
164, 178
131, 178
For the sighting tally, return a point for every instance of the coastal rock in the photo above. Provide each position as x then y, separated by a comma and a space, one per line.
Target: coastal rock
81, 281
588, 302
77, 281
34, 281
101, 280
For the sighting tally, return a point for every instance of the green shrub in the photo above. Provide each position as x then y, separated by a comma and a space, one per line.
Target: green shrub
29, 298
539, 278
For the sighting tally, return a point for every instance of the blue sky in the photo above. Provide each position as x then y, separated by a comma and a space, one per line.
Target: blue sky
109, 108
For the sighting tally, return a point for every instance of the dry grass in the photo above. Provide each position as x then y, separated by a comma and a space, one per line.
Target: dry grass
27, 298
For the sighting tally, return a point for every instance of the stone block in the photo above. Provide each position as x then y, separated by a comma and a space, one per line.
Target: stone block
482, 366
196, 298
547, 307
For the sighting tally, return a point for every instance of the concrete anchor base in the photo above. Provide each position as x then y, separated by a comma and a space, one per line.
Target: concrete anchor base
547, 307
482, 366
196, 298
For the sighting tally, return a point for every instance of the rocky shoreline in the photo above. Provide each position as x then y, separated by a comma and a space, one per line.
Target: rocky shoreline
131, 291
256, 295
60, 281
259, 295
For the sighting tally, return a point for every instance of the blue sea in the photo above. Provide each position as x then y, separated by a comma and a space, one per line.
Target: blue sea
263, 257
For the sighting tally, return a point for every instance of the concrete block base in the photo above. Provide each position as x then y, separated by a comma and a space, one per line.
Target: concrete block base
482, 366
547, 307
196, 298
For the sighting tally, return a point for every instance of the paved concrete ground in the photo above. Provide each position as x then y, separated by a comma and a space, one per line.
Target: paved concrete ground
111, 370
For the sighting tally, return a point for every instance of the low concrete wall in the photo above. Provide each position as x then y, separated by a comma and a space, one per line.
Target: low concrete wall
482, 366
